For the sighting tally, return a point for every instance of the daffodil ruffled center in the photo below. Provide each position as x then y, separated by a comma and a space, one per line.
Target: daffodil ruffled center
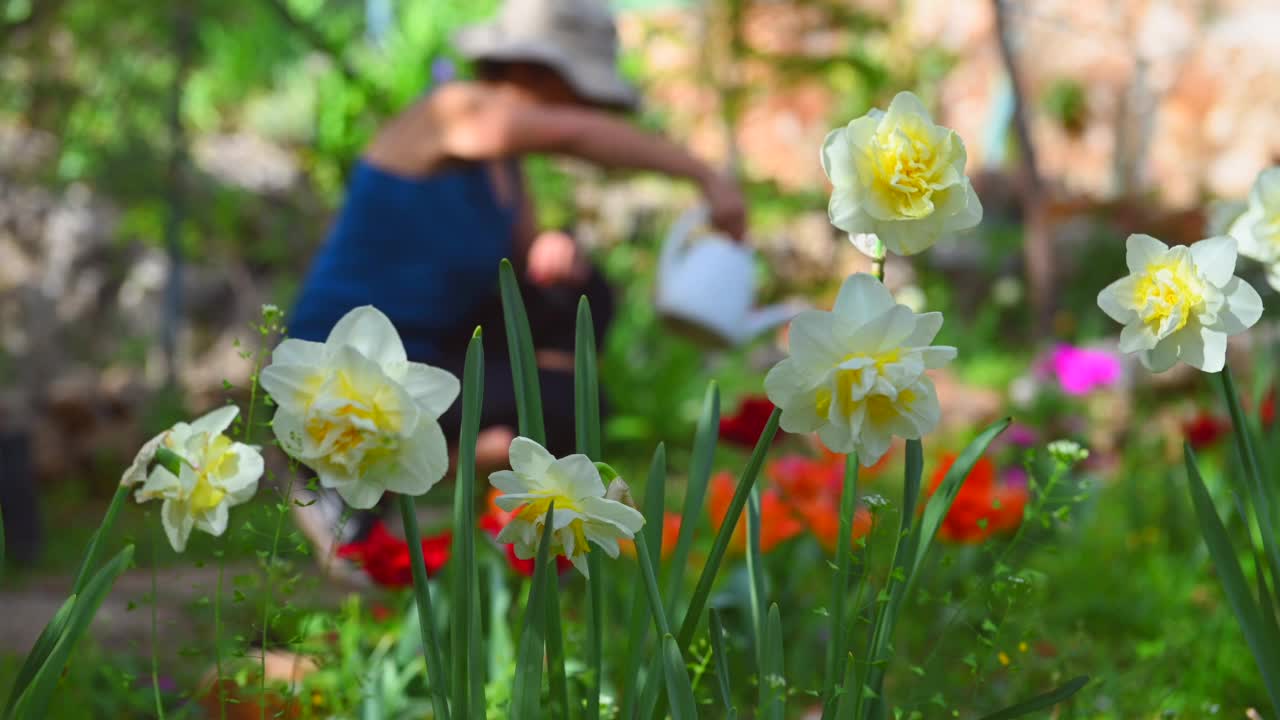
219, 462
1267, 229
906, 169
536, 513
1168, 293
352, 427
849, 385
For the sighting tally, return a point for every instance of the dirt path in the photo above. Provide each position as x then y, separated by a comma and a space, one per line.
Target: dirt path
25, 609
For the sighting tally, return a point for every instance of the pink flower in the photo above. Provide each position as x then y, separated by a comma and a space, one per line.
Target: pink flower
1080, 371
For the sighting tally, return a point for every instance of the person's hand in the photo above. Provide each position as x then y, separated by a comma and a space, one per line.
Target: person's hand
555, 259
728, 209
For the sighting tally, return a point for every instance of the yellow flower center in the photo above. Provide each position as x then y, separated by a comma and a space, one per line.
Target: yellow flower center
536, 512
1168, 293
1268, 229
205, 497
360, 426
906, 167
846, 379
218, 461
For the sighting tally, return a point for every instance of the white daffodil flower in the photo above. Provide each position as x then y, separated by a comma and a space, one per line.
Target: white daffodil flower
355, 410
1180, 303
214, 475
897, 175
856, 375
583, 513
1258, 230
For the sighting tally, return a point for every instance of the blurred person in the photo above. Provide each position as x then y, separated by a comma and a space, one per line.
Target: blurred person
438, 198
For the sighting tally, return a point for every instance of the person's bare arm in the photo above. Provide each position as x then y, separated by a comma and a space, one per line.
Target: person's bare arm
480, 125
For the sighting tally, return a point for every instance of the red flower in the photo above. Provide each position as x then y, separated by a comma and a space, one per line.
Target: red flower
1268, 409
745, 427
982, 508
492, 522
1205, 429
385, 557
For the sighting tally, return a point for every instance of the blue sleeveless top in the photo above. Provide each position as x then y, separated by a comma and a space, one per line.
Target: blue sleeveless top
425, 251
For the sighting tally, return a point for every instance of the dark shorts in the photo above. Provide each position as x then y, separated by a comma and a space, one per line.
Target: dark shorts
552, 323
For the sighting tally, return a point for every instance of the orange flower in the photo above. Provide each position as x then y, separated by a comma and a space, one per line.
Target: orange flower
823, 519
670, 534
982, 508
777, 522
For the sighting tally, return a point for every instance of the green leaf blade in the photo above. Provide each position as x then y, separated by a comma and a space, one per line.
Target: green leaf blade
1040, 702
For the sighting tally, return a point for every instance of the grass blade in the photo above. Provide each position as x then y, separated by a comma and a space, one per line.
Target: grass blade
464, 627
649, 698
722, 661
904, 556
846, 699
1040, 702
524, 366
556, 678
837, 651
773, 680
651, 585
1259, 496
724, 536
49, 636
755, 579
437, 681
654, 505
44, 645
34, 701
1259, 632
940, 504
586, 384
92, 552
679, 689
704, 448
586, 399
527, 689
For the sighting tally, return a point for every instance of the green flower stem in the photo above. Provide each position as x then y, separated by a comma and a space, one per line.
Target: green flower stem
266, 596
155, 648
877, 260
836, 651
1261, 497
430, 643
217, 637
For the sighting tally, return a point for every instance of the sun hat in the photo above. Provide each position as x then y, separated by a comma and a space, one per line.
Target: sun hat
575, 38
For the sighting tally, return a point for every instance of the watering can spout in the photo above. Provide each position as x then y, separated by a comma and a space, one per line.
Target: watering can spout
761, 320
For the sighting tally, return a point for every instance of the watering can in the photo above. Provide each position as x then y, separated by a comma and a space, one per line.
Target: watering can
706, 286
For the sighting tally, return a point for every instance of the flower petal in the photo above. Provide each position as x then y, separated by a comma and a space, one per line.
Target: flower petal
424, 459
1116, 300
369, 332
579, 476
215, 421
1242, 309
862, 296
292, 387
528, 458
432, 388
837, 158
1215, 258
812, 340
359, 494
177, 523
292, 351
1141, 250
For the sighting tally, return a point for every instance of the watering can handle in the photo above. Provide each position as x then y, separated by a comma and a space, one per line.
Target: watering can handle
678, 237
